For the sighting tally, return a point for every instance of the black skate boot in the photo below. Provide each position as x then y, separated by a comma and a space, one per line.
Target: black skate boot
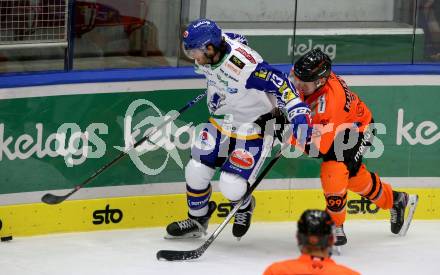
193, 227
341, 239
242, 220
401, 201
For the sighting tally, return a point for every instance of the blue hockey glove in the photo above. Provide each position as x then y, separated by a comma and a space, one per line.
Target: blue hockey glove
301, 121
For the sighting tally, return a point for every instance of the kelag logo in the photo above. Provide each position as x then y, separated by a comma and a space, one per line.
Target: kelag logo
107, 215
224, 209
302, 48
424, 133
361, 206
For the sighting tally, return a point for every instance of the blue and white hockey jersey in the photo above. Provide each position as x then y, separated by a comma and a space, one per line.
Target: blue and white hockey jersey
242, 87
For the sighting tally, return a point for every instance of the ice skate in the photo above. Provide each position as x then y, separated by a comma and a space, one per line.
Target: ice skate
193, 227
341, 238
242, 220
399, 223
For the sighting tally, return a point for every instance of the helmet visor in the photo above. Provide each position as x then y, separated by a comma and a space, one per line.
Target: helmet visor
193, 53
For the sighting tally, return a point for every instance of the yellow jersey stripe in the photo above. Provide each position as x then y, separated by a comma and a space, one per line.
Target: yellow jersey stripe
230, 134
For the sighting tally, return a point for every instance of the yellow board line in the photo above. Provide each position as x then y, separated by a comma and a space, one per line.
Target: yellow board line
159, 210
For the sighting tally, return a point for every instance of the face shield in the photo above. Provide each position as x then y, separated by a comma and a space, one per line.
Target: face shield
193, 53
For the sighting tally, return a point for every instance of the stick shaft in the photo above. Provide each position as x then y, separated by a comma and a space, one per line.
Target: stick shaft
58, 199
175, 255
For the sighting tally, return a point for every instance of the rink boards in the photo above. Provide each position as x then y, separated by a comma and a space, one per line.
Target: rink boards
159, 210
35, 121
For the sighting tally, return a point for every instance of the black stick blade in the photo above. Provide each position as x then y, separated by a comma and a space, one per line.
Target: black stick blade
52, 199
175, 255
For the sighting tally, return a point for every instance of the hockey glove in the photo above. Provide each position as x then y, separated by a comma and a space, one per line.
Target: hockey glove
300, 119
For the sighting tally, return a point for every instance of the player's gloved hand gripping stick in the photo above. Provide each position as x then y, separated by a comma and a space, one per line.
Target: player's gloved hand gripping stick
54, 199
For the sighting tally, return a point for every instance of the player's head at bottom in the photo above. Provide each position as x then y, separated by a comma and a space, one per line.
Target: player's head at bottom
315, 233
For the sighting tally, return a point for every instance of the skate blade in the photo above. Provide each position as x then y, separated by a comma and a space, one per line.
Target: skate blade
336, 250
412, 204
185, 236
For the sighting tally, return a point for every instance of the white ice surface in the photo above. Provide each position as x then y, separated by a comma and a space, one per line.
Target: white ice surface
371, 249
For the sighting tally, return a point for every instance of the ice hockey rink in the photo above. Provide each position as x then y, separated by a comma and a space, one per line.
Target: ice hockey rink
103, 103
372, 249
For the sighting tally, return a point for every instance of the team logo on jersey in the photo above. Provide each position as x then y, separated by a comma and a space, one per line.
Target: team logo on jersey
247, 55
216, 102
242, 159
236, 61
205, 140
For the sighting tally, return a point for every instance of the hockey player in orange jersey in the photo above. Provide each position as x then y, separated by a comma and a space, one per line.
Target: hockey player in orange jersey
343, 130
315, 235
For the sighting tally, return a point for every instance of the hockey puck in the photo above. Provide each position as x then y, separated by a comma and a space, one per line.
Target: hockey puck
6, 238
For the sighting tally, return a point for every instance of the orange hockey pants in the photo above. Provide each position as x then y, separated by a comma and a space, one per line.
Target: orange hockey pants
336, 181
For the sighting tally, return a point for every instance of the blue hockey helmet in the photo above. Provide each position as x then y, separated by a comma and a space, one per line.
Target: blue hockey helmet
200, 33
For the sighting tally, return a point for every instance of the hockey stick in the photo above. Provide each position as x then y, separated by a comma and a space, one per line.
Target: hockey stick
54, 199
179, 255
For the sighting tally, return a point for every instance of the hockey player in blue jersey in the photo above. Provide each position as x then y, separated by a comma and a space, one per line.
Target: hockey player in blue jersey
244, 93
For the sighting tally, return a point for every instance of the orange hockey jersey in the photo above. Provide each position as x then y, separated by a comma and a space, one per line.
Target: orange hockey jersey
308, 265
334, 108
